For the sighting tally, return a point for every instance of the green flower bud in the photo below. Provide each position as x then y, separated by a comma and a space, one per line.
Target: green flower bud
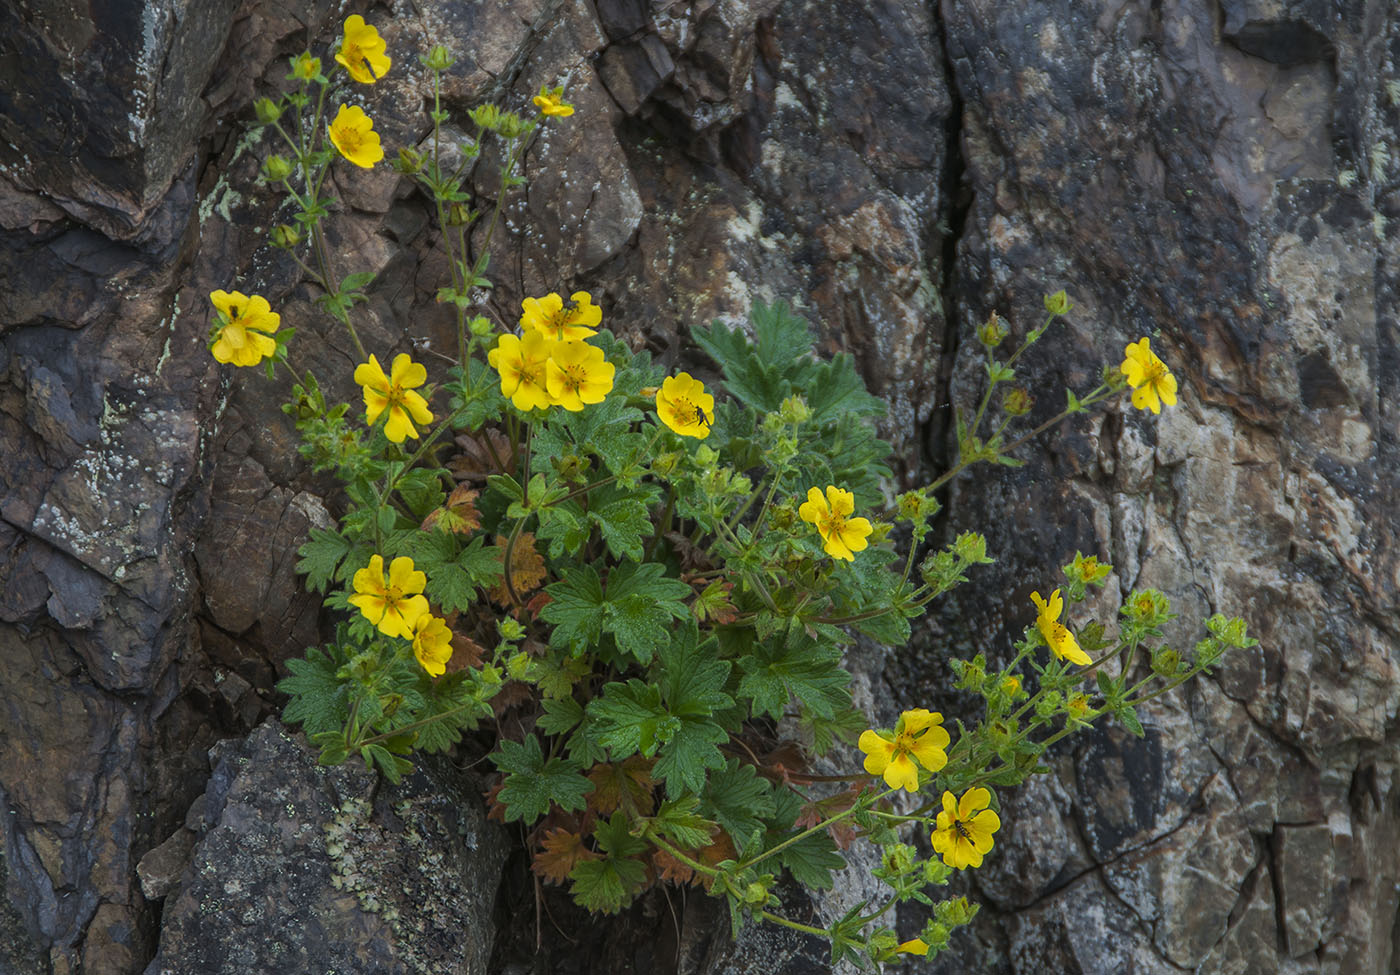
267, 110
1017, 402
459, 215
285, 236
486, 116
1049, 705
756, 893
439, 59
277, 168
795, 411
480, 326
409, 162
510, 628
1058, 303
512, 126
663, 464
783, 451
992, 332
518, 665
1166, 662
705, 456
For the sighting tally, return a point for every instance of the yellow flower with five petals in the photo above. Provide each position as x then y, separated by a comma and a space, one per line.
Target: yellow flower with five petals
963, 831
352, 133
395, 393
559, 320
550, 101
362, 51
521, 363
842, 535
393, 604
918, 739
1060, 640
1152, 382
577, 374
432, 643
238, 337
684, 406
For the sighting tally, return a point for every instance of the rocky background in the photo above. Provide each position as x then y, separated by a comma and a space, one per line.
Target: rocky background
1219, 175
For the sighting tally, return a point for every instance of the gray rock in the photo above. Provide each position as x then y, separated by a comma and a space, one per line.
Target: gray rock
304, 868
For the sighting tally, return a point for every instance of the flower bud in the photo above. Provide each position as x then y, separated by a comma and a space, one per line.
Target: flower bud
277, 168
459, 215
992, 332
305, 67
285, 236
1166, 662
795, 411
486, 116
510, 628
267, 110
1058, 303
439, 59
409, 162
518, 665
1017, 402
663, 464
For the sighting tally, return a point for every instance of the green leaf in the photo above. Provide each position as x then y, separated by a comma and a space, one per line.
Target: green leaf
812, 859
606, 886
1127, 716
630, 719
692, 683
678, 821
561, 714
623, 520
421, 490
320, 556
608, 883
319, 696
577, 609
739, 800
779, 668
356, 282
533, 784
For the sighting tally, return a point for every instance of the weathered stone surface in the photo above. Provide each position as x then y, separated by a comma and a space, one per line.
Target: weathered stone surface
1219, 177
304, 868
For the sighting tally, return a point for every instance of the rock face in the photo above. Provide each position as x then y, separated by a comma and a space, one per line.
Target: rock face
1218, 176
303, 868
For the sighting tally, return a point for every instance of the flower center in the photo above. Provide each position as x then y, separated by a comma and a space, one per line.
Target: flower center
350, 140
685, 412
832, 523
904, 741
1155, 371
574, 375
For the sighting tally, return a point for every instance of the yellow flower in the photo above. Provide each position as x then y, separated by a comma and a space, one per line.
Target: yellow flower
843, 536
684, 406
914, 946
394, 392
393, 605
577, 374
962, 833
578, 319
352, 132
305, 67
1149, 376
918, 737
238, 337
432, 643
550, 101
1060, 640
521, 363
362, 51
